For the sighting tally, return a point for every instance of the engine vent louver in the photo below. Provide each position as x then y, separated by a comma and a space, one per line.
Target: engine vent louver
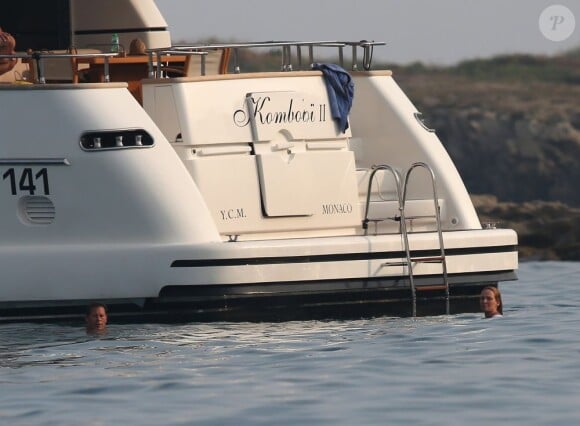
38, 210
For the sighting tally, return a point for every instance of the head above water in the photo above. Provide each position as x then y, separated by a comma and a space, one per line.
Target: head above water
490, 302
96, 318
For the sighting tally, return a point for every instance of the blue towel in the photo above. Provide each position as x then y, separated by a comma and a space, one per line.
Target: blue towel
340, 90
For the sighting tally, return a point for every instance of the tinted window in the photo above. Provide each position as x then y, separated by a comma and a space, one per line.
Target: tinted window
37, 24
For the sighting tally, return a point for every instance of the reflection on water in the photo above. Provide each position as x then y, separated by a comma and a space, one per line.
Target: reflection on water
430, 370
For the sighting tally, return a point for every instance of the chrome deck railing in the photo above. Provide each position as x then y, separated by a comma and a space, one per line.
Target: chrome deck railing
289, 61
293, 56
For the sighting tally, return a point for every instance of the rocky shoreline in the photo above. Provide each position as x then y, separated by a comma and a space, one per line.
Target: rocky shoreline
547, 230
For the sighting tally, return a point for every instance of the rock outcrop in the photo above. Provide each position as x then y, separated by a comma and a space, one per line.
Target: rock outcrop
517, 140
547, 230
512, 127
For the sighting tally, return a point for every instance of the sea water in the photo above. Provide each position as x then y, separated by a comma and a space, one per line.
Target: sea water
445, 370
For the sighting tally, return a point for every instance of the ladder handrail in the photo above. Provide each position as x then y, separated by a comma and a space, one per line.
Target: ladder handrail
414, 166
395, 173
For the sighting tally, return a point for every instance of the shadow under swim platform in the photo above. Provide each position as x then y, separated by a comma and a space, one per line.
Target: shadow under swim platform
208, 304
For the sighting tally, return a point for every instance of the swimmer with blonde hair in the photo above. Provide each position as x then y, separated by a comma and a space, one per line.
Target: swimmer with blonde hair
490, 302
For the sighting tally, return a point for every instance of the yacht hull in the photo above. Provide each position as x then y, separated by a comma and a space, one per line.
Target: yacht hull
230, 196
268, 280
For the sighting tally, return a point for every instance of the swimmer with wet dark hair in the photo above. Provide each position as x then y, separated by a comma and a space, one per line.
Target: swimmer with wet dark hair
96, 318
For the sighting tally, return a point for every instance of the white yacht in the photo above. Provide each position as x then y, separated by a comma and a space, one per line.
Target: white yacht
172, 181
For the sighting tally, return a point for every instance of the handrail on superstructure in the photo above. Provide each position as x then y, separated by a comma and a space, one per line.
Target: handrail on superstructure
39, 56
286, 47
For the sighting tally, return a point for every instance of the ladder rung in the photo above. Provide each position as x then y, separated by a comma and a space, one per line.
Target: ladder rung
433, 259
430, 287
382, 219
403, 263
427, 216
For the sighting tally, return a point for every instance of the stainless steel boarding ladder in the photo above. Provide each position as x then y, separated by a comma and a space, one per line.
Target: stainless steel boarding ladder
437, 216
402, 226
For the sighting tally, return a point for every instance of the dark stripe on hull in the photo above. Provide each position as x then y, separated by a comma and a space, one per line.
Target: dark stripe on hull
282, 301
336, 257
331, 299
328, 287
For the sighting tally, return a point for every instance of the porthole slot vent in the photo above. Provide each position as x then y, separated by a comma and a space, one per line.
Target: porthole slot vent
105, 140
